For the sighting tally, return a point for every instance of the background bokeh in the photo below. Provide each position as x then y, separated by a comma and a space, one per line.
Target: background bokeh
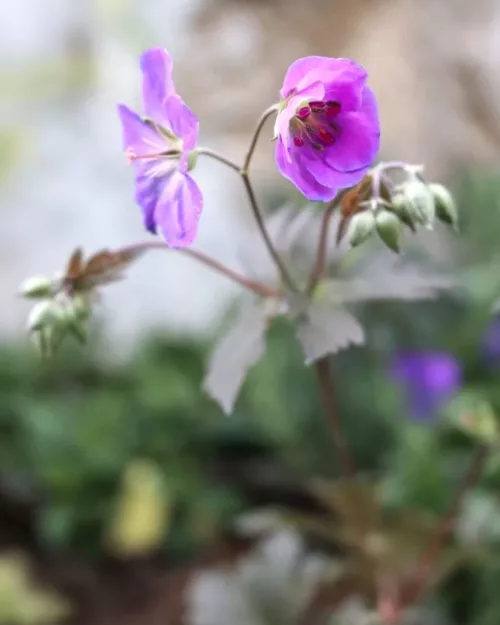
119, 479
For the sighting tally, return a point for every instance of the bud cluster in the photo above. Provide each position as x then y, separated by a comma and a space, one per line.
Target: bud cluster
387, 207
65, 302
56, 314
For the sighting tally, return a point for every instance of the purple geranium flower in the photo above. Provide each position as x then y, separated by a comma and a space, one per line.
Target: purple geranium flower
490, 344
327, 127
430, 379
158, 147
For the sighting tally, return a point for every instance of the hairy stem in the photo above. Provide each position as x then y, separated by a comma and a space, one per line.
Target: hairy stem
321, 254
421, 578
219, 157
251, 285
325, 384
280, 265
253, 143
244, 173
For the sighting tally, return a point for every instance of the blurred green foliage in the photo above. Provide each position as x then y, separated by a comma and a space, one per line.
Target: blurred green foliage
72, 428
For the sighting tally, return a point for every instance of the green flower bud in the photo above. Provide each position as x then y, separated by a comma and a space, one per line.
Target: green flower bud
446, 210
44, 314
48, 339
36, 287
78, 328
80, 307
399, 206
419, 203
389, 229
361, 227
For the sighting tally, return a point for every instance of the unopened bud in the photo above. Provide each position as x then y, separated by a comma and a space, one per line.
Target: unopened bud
361, 227
446, 210
389, 229
44, 314
79, 330
419, 203
36, 287
399, 206
80, 307
48, 339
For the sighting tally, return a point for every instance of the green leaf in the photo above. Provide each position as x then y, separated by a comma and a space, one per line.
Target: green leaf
325, 329
237, 351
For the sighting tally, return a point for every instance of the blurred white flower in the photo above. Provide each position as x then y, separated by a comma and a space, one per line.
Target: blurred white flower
272, 586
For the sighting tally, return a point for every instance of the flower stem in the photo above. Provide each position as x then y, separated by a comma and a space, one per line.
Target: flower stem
280, 265
325, 383
321, 254
252, 285
219, 157
420, 580
253, 144
244, 173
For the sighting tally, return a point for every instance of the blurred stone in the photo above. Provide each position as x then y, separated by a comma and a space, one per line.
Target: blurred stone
433, 64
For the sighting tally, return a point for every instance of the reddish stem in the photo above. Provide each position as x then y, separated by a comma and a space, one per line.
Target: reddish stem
421, 578
322, 249
325, 384
248, 283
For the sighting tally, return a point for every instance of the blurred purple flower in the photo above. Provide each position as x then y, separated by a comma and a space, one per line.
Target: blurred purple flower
327, 126
490, 344
158, 147
429, 379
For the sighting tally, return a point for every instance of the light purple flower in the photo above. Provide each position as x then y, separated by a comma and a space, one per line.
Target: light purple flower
429, 379
490, 344
327, 128
158, 147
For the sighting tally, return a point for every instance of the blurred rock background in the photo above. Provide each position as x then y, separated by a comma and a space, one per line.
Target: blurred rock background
64, 65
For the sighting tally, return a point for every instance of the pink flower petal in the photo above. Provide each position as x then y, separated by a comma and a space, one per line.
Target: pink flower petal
178, 210
359, 141
183, 121
315, 91
297, 76
299, 175
326, 175
157, 83
138, 137
147, 191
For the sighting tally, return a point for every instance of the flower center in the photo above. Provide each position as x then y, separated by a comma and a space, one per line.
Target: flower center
172, 155
173, 146
314, 124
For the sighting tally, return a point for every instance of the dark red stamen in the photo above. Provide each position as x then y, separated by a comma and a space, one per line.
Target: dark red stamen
326, 136
317, 105
314, 125
332, 108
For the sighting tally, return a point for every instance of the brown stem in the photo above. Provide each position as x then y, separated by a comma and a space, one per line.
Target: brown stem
253, 144
244, 173
248, 283
285, 275
322, 249
420, 580
280, 265
325, 383
219, 157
